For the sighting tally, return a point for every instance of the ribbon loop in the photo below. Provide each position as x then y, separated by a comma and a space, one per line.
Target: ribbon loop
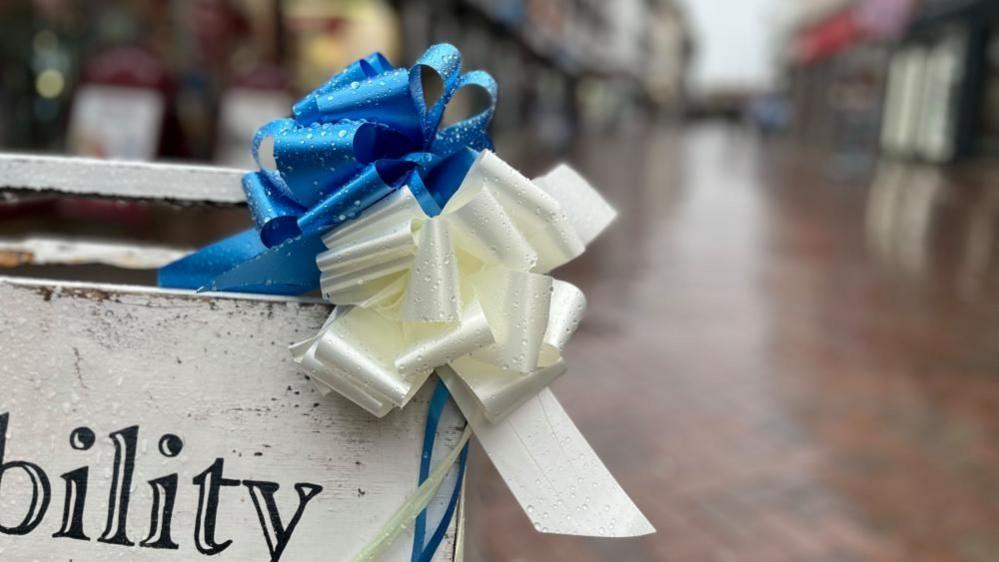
445, 61
307, 111
276, 216
470, 131
351, 142
433, 293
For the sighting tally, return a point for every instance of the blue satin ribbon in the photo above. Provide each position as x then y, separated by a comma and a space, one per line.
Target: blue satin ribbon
423, 549
350, 142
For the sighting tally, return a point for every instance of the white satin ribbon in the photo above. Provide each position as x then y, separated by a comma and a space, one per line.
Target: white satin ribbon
466, 292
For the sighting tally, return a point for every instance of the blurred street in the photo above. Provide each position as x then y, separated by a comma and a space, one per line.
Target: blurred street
777, 364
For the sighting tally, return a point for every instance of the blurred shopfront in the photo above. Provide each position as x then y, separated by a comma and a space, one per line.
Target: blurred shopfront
942, 100
193, 80
838, 54
914, 80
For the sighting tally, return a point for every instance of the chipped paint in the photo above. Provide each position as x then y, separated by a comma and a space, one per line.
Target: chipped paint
62, 251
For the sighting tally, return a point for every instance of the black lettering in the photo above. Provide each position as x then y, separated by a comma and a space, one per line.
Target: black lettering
40, 491
164, 495
209, 483
81, 439
121, 484
276, 534
72, 512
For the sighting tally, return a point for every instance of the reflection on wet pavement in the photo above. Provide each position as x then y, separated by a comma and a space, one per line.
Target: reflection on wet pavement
779, 366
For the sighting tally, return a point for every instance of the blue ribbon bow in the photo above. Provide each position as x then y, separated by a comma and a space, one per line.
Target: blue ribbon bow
350, 142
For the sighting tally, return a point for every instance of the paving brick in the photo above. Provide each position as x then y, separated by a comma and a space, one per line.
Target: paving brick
764, 371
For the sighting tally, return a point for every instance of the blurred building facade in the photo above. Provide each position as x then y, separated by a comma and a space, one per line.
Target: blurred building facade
909, 79
193, 80
564, 65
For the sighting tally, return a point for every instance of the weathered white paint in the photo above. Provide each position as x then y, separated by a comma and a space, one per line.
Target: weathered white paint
125, 179
212, 369
41, 250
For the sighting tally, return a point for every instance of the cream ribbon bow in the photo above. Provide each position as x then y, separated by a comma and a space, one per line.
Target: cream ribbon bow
465, 289
466, 293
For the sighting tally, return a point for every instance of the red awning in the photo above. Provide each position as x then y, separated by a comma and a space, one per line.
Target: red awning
864, 19
827, 37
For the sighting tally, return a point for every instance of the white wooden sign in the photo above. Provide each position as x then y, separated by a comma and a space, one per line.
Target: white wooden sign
142, 424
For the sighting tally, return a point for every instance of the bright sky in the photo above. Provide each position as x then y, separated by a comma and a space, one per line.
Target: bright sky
735, 42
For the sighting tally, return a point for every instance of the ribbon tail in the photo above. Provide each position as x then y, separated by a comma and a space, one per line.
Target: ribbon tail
556, 476
423, 549
452, 505
200, 268
437, 403
241, 263
286, 269
415, 505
